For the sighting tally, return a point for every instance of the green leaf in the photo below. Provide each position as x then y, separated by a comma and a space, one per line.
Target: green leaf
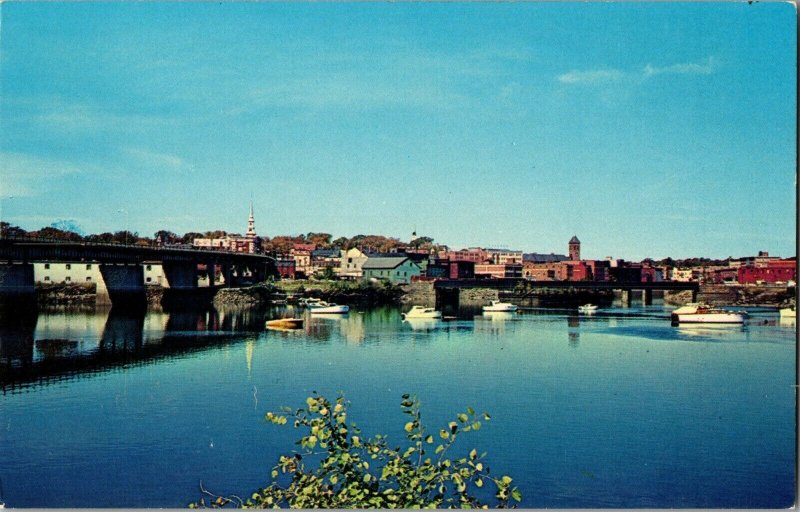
516, 494
429, 439
506, 479
409, 426
479, 482
470, 411
486, 416
473, 454
462, 417
439, 449
476, 425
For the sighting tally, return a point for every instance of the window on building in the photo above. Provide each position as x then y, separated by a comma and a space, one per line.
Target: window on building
88, 279
67, 279
68, 266
46, 265
149, 267
149, 279
89, 267
46, 278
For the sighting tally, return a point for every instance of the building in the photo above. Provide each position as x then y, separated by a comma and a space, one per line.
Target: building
301, 254
249, 243
351, 264
503, 256
399, 269
773, 271
322, 259
498, 271
285, 268
446, 269
574, 249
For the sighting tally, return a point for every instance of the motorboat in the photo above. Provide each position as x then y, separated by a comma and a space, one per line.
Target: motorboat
285, 323
323, 307
422, 312
587, 308
496, 305
705, 314
789, 312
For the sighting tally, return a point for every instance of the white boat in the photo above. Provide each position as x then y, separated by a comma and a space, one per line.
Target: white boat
789, 312
704, 314
496, 305
326, 308
587, 308
422, 312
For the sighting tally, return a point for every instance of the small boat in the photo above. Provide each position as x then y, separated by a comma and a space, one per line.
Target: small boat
322, 307
496, 305
587, 308
285, 323
789, 312
422, 312
705, 314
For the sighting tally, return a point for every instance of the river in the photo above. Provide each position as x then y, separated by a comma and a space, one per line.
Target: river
618, 409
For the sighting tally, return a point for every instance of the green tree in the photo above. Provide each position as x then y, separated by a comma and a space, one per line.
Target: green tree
356, 472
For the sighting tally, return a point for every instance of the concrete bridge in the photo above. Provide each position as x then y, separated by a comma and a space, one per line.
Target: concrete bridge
524, 289
121, 266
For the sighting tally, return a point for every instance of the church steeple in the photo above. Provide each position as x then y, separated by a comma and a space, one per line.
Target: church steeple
251, 223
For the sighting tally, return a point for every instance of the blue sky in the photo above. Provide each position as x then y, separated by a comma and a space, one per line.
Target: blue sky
654, 129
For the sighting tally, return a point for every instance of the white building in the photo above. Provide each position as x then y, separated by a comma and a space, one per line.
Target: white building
352, 263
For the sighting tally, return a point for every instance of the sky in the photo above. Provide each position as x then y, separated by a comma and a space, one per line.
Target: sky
646, 129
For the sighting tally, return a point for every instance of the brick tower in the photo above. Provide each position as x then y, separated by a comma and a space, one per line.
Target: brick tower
574, 249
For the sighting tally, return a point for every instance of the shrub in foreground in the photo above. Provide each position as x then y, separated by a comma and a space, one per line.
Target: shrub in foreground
349, 471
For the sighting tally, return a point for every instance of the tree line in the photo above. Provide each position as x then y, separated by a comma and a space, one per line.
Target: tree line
280, 244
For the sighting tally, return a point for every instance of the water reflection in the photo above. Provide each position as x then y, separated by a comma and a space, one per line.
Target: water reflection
40, 346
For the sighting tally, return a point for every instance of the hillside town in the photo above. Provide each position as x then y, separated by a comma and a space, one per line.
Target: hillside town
379, 258
421, 260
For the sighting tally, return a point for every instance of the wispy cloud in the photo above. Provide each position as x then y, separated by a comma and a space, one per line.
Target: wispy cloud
63, 115
154, 159
23, 175
610, 75
599, 76
688, 68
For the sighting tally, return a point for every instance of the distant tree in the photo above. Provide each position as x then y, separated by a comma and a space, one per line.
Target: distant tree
281, 245
167, 237
340, 242
125, 237
215, 234
421, 241
51, 233
9, 231
102, 238
189, 237
321, 240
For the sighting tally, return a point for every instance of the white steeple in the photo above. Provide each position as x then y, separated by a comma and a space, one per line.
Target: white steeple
251, 223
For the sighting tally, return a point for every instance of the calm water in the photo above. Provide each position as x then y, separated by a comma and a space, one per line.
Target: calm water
620, 409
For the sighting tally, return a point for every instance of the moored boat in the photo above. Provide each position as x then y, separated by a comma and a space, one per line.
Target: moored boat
789, 312
496, 305
322, 307
422, 312
285, 323
705, 314
587, 308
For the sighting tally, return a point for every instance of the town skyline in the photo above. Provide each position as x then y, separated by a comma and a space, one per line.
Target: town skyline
664, 131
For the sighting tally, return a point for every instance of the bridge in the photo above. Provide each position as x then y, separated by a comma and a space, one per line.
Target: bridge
524, 288
122, 266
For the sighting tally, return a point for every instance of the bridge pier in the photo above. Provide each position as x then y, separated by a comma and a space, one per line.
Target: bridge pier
16, 280
122, 284
647, 297
181, 276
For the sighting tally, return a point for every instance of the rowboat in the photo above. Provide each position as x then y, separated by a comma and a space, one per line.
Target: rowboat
285, 323
422, 312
